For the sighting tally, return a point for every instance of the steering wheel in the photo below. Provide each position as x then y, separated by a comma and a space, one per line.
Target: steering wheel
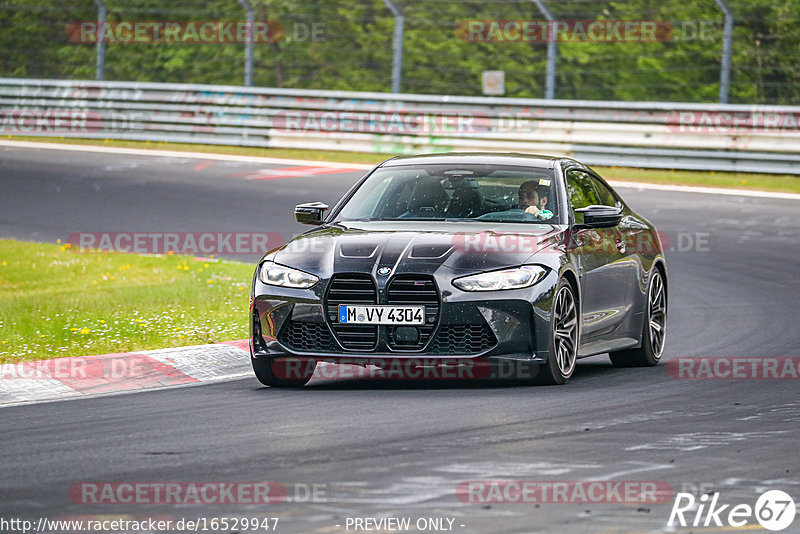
516, 214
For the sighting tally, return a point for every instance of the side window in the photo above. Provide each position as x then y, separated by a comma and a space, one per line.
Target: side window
607, 197
580, 190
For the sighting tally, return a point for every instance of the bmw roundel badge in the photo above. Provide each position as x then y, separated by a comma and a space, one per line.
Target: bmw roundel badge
383, 271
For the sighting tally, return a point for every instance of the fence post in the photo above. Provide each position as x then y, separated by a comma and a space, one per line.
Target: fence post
248, 46
101, 42
552, 51
397, 45
727, 44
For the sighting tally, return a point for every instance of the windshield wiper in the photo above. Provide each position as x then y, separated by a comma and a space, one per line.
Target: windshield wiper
461, 219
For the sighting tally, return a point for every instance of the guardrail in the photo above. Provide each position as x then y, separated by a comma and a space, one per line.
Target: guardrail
636, 134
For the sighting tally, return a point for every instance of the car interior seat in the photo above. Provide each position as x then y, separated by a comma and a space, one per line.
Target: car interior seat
467, 200
428, 198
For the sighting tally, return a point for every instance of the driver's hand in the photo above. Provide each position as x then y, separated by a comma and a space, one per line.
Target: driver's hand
532, 210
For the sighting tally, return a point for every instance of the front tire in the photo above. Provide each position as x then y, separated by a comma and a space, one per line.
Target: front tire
279, 373
654, 329
564, 336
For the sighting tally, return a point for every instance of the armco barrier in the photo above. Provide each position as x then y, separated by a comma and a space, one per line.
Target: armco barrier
637, 134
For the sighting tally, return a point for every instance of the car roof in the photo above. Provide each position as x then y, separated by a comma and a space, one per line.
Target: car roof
491, 158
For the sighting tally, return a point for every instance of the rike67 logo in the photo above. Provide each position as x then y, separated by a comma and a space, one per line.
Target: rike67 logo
774, 510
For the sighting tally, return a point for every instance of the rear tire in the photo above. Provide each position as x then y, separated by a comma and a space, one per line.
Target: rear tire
564, 336
278, 373
653, 329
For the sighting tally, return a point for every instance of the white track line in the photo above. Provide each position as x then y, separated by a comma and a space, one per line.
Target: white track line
177, 154
281, 161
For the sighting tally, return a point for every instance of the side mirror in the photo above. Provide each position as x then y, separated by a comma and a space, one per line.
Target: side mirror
598, 216
310, 212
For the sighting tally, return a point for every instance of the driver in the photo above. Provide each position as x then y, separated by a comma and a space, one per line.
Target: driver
544, 192
531, 202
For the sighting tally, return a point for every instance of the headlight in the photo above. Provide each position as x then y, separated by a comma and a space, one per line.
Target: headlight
277, 275
516, 278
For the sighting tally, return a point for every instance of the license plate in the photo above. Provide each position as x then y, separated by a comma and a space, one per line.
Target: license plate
397, 315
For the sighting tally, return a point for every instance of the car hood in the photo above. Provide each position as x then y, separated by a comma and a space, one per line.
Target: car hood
417, 246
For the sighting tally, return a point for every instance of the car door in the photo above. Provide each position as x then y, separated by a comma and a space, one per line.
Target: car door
627, 268
601, 254
635, 239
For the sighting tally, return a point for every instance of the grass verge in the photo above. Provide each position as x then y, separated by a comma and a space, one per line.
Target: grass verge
56, 303
731, 180
287, 153
783, 183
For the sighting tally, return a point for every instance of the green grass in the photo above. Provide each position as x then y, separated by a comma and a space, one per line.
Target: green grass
731, 180
55, 302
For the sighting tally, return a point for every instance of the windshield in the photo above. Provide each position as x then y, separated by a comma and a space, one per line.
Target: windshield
497, 193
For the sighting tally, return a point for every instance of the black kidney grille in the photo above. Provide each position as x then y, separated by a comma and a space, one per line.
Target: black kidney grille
414, 289
352, 289
462, 339
307, 337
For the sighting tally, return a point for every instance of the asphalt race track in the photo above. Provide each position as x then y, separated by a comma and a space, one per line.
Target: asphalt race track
400, 449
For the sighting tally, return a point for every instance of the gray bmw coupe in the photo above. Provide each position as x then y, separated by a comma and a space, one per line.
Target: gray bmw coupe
451, 259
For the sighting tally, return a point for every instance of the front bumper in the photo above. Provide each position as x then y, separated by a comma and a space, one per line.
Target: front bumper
511, 325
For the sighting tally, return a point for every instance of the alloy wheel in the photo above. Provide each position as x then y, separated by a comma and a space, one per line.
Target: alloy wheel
657, 314
565, 331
